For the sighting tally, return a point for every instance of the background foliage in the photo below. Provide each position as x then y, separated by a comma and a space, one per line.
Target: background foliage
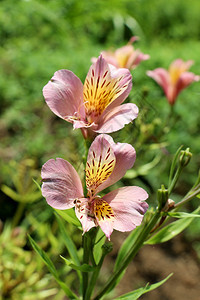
39, 37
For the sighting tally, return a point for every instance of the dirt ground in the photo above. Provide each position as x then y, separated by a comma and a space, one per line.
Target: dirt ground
154, 263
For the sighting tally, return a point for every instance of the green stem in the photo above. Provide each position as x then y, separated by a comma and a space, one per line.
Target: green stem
175, 179
94, 277
187, 198
86, 251
138, 244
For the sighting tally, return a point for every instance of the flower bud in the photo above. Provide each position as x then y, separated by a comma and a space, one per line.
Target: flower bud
162, 196
185, 157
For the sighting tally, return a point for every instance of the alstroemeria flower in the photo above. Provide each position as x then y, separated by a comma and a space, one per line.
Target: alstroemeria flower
107, 162
96, 104
125, 57
174, 80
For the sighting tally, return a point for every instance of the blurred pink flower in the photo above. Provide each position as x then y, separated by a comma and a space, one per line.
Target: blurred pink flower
124, 57
96, 104
174, 80
107, 162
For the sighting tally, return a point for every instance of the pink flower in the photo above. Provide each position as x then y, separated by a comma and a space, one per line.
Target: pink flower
125, 57
175, 79
96, 104
107, 162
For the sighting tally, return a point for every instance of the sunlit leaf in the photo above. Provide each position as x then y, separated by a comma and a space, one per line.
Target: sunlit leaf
69, 216
139, 292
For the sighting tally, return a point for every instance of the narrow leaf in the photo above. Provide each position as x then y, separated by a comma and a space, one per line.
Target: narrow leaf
171, 230
44, 257
99, 241
68, 241
82, 268
69, 216
37, 184
181, 215
126, 246
173, 165
139, 292
52, 268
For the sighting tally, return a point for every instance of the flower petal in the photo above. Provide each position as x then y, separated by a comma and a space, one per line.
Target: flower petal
84, 214
125, 157
128, 206
61, 183
140, 57
64, 95
104, 216
104, 85
100, 164
117, 118
161, 76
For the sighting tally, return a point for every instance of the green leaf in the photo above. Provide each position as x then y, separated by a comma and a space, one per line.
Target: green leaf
171, 230
69, 216
68, 241
99, 241
82, 268
126, 246
52, 268
139, 292
173, 165
181, 215
37, 184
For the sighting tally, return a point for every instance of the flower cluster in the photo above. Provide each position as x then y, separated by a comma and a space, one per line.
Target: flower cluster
96, 107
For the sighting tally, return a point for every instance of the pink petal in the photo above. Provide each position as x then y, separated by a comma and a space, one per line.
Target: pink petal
128, 206
117, 118
140, 57
64, 94
83, 213
100, 164
125, 157
61, 183
161, 76
180, 64
185, 79
107, 227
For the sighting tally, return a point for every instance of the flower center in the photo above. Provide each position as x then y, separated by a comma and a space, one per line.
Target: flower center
103, 210
99, 92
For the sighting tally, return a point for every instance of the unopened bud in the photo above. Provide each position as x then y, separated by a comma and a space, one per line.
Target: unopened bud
185, 157
162, 197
